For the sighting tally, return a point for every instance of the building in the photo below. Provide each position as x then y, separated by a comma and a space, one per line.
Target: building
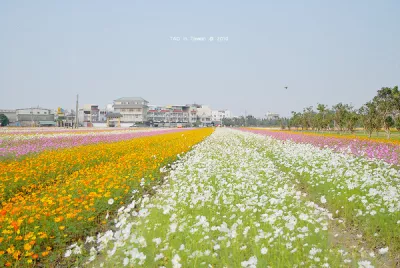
11, 115
204, 114
65, 118
91, 113
113, 119
132, 109
218, 115
34, 116
169, 115
271, 116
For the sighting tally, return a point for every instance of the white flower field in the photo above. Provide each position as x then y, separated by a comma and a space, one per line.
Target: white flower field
240, 199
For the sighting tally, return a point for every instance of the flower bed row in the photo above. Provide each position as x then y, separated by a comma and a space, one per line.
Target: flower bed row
225, 204
18, 145
59, 204
373, 149
365, 192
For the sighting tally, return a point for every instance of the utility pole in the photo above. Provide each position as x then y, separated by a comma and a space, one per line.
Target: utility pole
245, 118
76, 113
32, 116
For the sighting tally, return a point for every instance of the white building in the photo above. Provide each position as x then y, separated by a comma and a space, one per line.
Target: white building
218, 115
132, 109
35, 116
169, 115
204, 114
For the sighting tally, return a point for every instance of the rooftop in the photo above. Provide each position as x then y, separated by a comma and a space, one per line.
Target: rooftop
113, 115
131, 98
31, 108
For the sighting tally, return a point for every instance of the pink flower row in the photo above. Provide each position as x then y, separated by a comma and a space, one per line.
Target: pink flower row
22, 147
372, 149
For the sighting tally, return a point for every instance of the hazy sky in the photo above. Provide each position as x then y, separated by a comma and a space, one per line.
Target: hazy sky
324, 51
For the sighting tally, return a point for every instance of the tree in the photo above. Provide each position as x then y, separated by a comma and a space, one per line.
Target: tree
351, 120
295, 120
308, 117
370, 117
387, 102
397, 123
4, 120
322, 118
227, 122
251, 121
339, 117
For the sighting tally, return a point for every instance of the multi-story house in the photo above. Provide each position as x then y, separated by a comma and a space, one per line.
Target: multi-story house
218, 115
132, 109
204, 114
170, 115
35, 117
88, 114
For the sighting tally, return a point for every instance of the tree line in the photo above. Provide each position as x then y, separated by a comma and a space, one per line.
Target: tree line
382, 112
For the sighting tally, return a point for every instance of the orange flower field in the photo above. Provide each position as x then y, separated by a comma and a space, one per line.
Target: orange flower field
54, 198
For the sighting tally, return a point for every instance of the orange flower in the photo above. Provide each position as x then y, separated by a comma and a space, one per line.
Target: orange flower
53, 186
16, 255
27, 246
45, 253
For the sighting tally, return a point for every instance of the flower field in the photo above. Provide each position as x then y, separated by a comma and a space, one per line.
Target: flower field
55, 197
199, 198
18, 143
239, 199
386, 150
365, 191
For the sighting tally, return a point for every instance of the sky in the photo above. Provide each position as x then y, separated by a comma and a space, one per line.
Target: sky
323, 51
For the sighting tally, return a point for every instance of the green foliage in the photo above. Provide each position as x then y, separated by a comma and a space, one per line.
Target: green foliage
250, 121
4, 120
381, 112
370, 117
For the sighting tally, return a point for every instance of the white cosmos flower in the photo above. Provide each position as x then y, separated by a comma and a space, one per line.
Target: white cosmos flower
110, 201
257, 202
175, 261
68, 253
251, 263
383, 250
157, 240
158, 257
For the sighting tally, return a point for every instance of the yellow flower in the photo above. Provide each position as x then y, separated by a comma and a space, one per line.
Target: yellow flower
45, 253
11, 249
27, 246
61, 228
16, 255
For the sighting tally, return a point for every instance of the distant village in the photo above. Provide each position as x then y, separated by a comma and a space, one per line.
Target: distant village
123, 112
